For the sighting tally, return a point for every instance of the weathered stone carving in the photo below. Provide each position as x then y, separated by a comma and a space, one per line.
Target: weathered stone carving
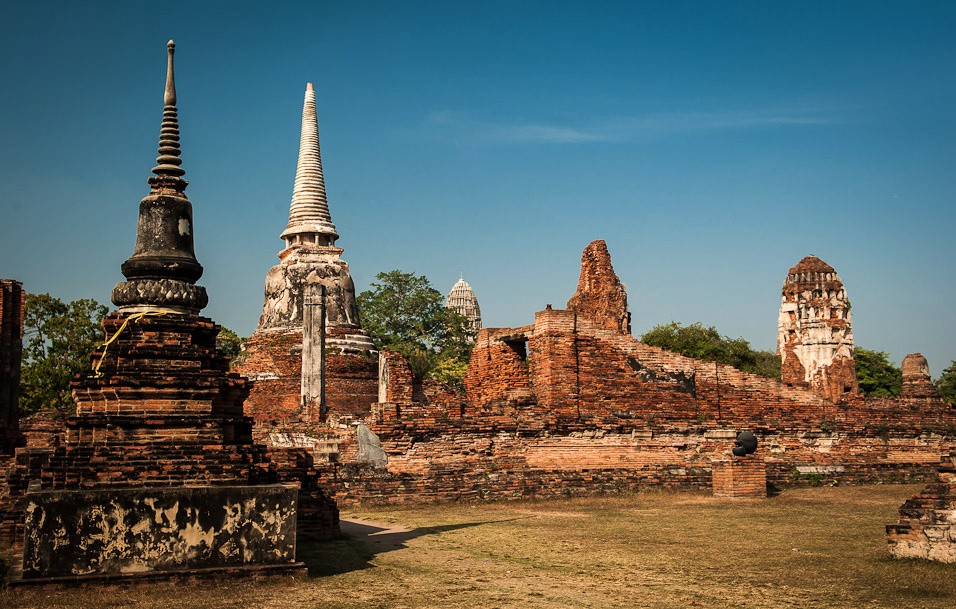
73, 533
370, 447
164, 293
284, 289
815, 336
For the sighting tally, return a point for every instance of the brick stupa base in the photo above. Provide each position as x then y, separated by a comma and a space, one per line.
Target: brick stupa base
927, 524
159, 443
740, 477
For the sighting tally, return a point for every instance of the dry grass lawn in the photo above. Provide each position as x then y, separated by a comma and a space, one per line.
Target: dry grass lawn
816, 547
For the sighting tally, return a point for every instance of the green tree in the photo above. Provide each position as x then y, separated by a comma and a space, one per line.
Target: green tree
946, 383
403, 312
706, 343
875, 374
228, 342
58, 340
767, 364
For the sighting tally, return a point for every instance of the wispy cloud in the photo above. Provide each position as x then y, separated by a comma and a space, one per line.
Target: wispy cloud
625, 128
544, 133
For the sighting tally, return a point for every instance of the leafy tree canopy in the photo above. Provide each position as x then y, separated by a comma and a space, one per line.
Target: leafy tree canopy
706, 343
946, 383
875, 374
403, 312
228, 342
58, 340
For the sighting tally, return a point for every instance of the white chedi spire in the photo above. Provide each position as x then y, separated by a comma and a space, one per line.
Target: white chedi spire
462, 299
310, 222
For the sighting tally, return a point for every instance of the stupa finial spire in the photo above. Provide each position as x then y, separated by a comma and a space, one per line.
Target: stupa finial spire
168, 159
163, 269
310, 222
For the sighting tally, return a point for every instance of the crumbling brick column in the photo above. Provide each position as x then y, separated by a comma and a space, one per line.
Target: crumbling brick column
917, 382
601, 296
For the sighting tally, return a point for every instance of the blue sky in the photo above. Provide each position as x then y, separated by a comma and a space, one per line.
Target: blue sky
711, 144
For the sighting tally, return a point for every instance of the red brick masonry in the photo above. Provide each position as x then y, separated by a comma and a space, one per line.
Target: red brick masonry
927, 524
740, 477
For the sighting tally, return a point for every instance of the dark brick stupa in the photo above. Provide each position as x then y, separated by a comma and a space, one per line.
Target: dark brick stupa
159, 454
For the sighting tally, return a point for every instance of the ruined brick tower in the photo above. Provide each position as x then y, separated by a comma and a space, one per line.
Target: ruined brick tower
601, 296
327, 340
917, 382
462, 300
815, 337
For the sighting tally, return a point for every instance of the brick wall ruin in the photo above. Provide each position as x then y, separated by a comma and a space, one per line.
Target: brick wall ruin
570, 405
274, 363
927, 524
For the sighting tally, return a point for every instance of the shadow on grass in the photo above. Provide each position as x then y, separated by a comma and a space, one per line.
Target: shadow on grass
361, 541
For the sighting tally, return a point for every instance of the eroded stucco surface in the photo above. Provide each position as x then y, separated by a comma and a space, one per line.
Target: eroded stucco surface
75, 533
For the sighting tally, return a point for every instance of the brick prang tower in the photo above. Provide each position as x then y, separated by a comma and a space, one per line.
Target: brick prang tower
814, 333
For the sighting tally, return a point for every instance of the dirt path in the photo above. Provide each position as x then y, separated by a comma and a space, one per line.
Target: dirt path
380, 536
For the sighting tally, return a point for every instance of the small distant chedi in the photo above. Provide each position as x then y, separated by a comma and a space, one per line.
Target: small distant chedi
463, 301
